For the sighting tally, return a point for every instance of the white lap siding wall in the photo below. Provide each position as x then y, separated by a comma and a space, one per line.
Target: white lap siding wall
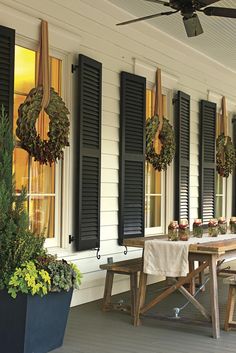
116, 48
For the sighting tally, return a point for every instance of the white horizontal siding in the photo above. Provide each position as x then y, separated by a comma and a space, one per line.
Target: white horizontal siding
94, 23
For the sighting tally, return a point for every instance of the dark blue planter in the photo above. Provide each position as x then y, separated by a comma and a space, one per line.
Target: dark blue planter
31, 324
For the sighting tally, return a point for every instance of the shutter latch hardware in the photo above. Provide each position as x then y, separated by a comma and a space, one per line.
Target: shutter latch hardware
74, 68
126, 250
71, 238
98, 255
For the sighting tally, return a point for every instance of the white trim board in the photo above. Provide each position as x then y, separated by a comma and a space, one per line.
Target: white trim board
142, 68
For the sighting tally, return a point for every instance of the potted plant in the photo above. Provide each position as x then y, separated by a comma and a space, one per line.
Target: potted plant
35, 287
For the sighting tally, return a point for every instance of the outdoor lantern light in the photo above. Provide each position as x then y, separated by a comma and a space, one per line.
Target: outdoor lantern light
193, 26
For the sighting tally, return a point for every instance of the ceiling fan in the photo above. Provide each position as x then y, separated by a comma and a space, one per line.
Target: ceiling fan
188, 9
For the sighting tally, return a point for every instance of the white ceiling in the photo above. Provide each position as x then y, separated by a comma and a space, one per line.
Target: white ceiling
218, 40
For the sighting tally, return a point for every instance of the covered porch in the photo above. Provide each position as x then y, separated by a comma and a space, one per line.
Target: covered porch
90, 330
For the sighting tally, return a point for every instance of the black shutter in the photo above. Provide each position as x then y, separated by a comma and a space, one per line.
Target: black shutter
234, 172
207, 163
87, 150
182, 159
132, 156
7, 59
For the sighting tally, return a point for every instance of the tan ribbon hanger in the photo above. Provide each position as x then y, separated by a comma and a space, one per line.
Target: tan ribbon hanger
224, 116
158, 110
43, 77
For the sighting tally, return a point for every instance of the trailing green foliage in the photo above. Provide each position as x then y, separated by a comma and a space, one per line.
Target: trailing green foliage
62, 274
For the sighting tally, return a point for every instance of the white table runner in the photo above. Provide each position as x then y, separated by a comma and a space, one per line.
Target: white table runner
170, 258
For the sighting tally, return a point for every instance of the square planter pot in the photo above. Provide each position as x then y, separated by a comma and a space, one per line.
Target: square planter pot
31, 324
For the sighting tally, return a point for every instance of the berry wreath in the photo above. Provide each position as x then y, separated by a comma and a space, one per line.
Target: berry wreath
50, 150
225, 155
164, 158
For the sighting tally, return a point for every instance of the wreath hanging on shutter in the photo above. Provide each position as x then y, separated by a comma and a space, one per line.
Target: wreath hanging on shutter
159, 131
225, 151
40, 99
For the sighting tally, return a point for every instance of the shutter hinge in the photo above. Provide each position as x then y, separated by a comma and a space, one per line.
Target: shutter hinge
74, 68
71, 238
126, 250
174, 100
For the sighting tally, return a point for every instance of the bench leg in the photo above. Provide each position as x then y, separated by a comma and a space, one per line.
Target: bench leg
230, 308
141, 297
106, 304
133, 292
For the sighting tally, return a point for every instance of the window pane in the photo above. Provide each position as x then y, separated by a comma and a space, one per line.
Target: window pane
219, 206
42, 211
24, 69
153, 180
219, 184
149, 103
18, 99
153, 211
56, 74
42, 179
21, 168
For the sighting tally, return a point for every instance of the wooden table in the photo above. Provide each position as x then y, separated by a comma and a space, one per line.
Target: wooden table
207, 254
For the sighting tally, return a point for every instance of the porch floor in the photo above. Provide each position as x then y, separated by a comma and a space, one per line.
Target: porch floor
89, 330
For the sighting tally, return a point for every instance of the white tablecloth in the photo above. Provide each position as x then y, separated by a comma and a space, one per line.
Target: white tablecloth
170, 258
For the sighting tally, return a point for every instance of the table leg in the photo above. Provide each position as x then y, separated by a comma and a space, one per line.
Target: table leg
141, 297
201, 279
192, 287
214, 296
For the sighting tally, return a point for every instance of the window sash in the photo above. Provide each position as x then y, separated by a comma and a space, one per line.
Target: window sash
55, 241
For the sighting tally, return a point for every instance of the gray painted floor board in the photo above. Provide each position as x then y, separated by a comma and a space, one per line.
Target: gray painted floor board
89, 330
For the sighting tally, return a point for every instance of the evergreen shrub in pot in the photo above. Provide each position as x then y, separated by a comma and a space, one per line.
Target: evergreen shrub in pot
35, 287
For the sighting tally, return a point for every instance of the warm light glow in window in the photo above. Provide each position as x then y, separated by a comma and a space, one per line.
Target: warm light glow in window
39, 180
152, 180
24, 69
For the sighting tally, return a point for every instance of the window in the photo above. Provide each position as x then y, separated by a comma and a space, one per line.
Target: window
154, 187
41, 182
220, 181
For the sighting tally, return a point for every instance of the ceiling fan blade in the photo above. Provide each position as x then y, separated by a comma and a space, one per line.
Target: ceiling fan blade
203, 3
220, 11
165, 3
147, 17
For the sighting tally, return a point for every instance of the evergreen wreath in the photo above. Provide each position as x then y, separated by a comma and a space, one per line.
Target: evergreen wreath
50, 150
225, 155
167, 138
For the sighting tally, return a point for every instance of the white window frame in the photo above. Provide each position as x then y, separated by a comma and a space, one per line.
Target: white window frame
227, 182
56, 240
169, 85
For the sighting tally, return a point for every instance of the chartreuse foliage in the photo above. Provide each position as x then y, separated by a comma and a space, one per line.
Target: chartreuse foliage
30, 280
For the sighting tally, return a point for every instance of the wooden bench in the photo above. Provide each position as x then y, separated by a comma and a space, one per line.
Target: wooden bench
128, 267
229, 323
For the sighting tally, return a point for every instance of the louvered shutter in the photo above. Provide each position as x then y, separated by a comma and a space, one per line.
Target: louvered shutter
7, 56
207, 160
87, 151
132, 156
234, 172
182, 159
